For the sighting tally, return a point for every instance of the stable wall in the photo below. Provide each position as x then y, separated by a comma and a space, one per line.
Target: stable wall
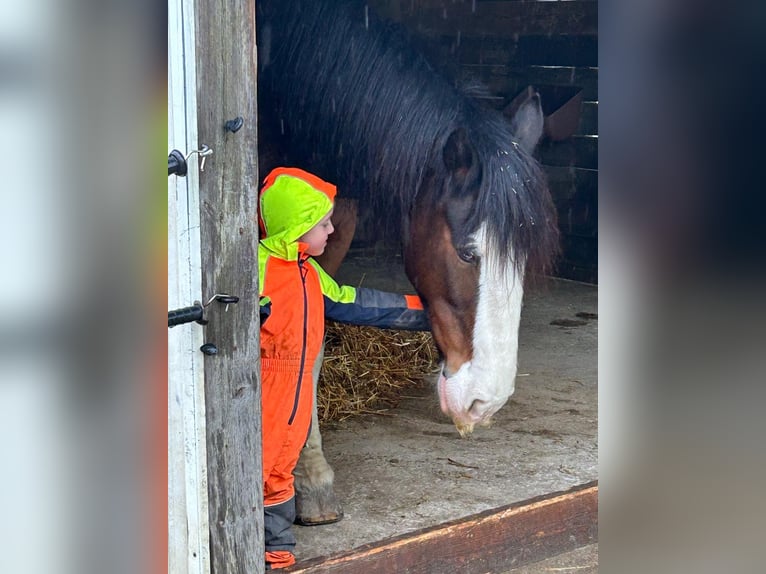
507, 46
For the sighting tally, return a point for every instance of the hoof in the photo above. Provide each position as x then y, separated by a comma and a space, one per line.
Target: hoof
316, 507
319, 521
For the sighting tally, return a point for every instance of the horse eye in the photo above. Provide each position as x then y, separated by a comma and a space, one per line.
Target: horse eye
467, 255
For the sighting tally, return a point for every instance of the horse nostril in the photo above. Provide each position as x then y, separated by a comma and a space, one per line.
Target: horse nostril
475, 406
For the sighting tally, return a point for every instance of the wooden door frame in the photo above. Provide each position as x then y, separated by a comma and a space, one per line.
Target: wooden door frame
188, 538
226, 89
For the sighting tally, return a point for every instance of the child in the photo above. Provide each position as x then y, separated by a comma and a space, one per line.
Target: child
296, 295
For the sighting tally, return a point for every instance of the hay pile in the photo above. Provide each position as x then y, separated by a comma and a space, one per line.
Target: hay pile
366, 369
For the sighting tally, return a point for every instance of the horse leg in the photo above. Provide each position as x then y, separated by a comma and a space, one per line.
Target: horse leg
344, 222
315, 499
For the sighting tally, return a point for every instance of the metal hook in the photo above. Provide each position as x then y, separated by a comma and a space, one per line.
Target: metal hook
203, 152
222, 298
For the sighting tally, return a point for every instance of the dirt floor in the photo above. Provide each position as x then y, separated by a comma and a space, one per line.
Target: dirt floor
409, 469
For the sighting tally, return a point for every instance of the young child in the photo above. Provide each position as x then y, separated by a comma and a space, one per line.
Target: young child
296, 296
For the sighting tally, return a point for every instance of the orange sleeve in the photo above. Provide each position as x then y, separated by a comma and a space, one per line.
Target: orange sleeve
413, 302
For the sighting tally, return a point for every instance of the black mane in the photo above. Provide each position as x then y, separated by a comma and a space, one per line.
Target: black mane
357, 105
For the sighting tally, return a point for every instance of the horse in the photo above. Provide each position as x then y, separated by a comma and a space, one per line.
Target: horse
343, 94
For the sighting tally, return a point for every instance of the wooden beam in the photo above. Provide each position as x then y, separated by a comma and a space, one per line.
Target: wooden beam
576, 151
579, 258
558, 50
226, 89
491, 541
488, 18
568, 182
508, 81
588, 119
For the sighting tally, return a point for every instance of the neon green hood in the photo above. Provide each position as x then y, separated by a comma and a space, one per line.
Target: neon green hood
291, 202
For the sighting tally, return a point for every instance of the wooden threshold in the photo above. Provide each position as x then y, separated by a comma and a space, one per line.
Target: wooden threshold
492, 541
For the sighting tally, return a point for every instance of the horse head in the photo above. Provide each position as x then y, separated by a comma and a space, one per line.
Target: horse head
349, 99
464, 256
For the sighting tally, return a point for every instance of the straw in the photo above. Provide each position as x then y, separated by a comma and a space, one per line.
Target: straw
366, 370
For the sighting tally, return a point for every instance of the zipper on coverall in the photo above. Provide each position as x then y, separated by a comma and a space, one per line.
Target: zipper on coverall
303, 271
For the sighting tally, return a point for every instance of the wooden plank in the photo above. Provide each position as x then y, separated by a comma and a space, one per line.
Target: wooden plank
226, 88
576, 272
525, 51
583, 77
507, 81
570, 183
579, 251
575, 195
492, 541
560, 50
570, 51
578, 213
578, 220
588, 119
486, 51
493, 18
577, 151
188, 542
574, 178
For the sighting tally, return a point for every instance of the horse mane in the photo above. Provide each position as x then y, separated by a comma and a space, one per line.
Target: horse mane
363, 109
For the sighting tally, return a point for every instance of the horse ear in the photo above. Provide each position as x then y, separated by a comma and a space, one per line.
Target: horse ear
527, 120
460, 158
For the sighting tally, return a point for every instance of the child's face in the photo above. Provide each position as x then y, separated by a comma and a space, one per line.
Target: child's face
316, 237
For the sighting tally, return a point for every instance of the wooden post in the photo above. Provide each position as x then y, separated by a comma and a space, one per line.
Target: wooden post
226, 89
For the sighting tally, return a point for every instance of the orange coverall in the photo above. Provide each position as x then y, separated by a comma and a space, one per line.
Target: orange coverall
296, 295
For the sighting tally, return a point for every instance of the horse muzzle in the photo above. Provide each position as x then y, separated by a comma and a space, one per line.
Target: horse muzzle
466, 405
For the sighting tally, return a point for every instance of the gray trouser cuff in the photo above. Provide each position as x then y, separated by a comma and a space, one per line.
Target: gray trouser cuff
278, 522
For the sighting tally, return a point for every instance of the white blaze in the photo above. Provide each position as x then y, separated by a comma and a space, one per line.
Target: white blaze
489, 377
496, 332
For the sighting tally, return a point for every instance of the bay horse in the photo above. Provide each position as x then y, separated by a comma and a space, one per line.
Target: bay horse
342, 94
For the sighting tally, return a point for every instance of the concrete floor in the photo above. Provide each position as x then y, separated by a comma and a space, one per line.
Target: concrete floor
409, 469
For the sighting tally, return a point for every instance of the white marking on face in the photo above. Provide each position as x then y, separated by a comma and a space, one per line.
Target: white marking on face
482, 385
